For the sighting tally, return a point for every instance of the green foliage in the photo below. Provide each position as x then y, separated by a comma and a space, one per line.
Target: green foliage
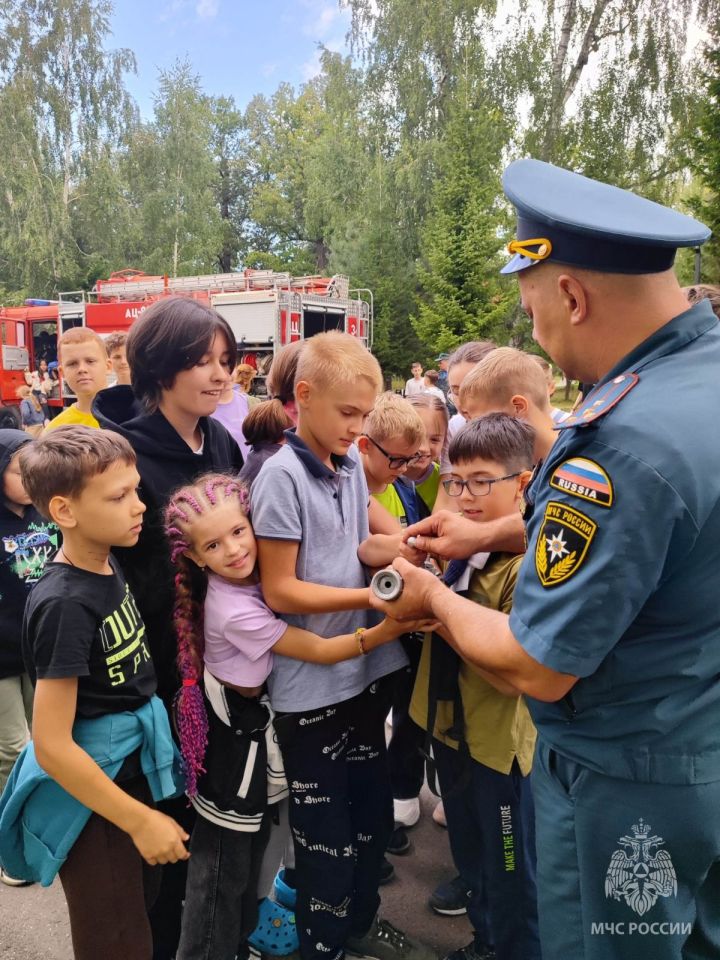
705, 157
62, 98
385, 167
463, 297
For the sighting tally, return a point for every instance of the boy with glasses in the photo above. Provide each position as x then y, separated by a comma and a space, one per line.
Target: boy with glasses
482, 735
394, 433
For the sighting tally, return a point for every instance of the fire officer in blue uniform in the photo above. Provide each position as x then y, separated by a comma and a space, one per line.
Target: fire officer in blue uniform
614, 635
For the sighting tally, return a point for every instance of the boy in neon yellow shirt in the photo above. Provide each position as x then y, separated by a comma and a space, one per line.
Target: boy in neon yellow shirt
84, 365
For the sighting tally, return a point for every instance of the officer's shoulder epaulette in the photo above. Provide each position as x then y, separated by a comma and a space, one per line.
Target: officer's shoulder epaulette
600, 400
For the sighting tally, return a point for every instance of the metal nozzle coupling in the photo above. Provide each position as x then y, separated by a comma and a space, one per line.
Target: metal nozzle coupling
387, 584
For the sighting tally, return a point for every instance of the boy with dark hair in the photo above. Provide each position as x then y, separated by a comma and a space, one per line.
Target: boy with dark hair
84, 365
310, 515
482, 735
80, 799
29, 542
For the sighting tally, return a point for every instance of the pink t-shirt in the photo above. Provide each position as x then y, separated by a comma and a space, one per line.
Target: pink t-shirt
231, 416
240, 632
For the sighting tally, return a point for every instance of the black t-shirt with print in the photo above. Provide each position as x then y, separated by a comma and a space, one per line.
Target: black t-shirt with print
87, 625
29, 542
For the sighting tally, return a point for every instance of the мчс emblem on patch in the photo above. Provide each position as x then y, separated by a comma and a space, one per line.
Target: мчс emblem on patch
641, 872
562, 543
583, 478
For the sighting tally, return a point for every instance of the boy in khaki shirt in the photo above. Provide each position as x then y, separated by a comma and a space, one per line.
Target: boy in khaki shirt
483, 737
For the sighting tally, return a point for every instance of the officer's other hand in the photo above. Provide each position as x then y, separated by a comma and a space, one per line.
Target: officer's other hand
415, 601
446, 534
414, 556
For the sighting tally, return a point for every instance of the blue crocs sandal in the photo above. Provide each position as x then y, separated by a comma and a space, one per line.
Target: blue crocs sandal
284, 893
276, 932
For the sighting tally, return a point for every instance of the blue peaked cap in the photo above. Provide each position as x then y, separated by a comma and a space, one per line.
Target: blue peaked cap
585, 223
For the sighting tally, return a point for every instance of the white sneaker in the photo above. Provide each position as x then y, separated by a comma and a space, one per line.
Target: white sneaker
13, 881
407, 812
438, 814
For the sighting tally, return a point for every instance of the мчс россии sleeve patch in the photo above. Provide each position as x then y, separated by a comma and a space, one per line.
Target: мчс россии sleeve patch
562, 543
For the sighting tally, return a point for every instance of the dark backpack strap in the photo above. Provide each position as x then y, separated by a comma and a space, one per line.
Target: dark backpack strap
443, 685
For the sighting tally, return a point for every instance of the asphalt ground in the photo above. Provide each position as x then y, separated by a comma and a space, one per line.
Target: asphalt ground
34, 925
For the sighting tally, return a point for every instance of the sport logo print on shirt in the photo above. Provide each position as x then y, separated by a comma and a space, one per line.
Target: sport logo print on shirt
123, 640
562, 543
32, 550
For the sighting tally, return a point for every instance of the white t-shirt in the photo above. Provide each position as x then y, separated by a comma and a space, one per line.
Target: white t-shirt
456, 423
413, 387
435, 392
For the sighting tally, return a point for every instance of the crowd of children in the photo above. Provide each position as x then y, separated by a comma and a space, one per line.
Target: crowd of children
210, 683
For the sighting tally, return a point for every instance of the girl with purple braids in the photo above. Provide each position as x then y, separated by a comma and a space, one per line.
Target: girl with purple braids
226, 639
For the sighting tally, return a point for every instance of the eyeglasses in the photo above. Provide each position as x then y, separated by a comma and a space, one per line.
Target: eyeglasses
476, 488
395, 463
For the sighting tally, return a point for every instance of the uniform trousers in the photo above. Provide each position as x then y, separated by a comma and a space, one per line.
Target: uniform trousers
340, 816
626, 870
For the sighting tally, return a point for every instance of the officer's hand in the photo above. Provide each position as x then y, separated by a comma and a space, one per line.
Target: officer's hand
415, 601
446, 534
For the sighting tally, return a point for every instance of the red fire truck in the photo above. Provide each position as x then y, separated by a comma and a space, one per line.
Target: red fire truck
265, 310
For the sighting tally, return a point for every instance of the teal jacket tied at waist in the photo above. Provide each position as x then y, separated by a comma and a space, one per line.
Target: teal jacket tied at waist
40, 821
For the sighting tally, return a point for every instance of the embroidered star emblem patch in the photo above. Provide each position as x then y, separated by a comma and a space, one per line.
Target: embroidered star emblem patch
562, 543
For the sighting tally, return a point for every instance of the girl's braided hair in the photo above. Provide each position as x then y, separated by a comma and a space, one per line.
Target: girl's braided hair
184, 507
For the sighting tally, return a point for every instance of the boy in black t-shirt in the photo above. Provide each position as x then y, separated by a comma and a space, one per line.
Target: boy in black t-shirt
85, 648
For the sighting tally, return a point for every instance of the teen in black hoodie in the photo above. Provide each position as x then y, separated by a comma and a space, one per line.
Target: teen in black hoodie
29, 541
181, 354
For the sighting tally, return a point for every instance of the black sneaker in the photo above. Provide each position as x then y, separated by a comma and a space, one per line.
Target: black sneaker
473, 951
385, 942
387, 872
450, 899
398, 842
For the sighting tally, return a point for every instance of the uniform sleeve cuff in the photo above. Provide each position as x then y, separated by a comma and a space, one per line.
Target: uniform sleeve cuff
550, 653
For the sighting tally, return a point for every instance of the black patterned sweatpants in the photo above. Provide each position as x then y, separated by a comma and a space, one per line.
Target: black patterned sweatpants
340, 816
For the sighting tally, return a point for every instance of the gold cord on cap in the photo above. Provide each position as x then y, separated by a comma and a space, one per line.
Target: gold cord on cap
544, 248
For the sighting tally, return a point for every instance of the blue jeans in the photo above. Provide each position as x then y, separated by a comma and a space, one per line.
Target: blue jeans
221, 897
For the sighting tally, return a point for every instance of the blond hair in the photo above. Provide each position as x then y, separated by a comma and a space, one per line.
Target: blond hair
546, 368
503, 374
336, 359
394, 418
244, 374
81, 335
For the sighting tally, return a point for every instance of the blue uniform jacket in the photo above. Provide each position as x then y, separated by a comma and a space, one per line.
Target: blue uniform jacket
40, 821
621, 582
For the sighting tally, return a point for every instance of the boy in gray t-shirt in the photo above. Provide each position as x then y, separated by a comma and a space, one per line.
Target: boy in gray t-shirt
309, 514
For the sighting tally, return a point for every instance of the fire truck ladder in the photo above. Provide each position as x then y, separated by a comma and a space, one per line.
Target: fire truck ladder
134, 286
